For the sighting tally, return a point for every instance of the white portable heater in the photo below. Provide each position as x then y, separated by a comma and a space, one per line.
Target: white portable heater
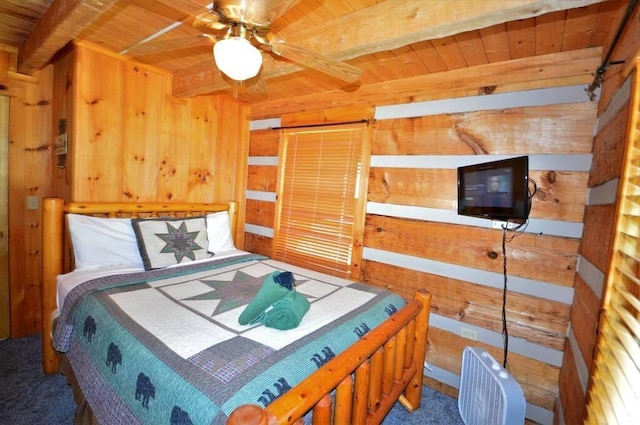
488, 394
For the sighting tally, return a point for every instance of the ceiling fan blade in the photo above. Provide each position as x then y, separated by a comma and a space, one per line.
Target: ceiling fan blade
264, 12
208, 21
322, 63
161, 46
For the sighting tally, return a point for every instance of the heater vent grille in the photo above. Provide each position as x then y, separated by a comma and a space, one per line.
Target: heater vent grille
488, 395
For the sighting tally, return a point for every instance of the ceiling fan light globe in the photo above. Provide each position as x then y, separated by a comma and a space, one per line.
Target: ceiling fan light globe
237, 58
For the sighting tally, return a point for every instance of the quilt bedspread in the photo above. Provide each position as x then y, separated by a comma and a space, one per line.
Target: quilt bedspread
165, 346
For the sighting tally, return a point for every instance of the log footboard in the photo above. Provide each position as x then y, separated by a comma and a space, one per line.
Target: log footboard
385, 366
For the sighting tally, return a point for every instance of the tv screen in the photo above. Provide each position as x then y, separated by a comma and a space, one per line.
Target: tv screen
496, 190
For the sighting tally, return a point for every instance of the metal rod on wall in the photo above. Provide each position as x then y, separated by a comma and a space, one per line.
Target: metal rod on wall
328, 124
599, 76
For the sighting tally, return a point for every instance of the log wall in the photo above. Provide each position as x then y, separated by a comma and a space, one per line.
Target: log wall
415, 239
599, 222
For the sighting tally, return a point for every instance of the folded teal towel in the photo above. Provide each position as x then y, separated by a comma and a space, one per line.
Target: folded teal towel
287, 312
277, 304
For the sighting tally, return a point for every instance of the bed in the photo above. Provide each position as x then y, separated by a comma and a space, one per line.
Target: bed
132, 357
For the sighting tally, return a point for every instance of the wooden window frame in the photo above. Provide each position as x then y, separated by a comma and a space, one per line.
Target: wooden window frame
357, 234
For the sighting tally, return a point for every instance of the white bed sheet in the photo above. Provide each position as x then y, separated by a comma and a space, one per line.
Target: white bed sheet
66, 282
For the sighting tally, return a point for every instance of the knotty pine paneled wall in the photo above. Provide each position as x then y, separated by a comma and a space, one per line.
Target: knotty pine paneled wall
415, 239
599, 223
130, 140
30, 165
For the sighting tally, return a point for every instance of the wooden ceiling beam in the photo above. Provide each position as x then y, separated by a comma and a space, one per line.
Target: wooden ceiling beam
363, 32
58, 26
551, 70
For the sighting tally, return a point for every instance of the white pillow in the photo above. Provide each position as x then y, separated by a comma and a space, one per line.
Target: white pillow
219, 232
102, 241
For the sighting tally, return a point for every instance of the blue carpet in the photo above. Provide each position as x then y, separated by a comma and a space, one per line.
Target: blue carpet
435, 408
28, 396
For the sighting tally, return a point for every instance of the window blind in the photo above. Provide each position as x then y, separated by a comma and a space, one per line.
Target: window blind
318, 198
614, 392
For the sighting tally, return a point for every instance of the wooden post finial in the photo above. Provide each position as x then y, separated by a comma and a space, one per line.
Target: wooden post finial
248, 414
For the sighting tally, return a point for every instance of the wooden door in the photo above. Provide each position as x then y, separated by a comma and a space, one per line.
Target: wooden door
4, 220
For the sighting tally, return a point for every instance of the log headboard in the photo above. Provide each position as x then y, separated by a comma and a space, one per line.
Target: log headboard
57, 253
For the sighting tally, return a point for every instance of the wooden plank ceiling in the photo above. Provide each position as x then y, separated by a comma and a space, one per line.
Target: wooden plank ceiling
386, 39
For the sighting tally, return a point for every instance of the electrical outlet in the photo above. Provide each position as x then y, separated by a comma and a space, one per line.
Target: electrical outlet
497, 224
32, 202
469, 334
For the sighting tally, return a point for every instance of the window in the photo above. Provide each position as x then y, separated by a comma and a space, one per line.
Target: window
614, 394
321, 198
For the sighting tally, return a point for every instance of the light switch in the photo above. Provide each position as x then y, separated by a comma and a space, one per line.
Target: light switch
32, 202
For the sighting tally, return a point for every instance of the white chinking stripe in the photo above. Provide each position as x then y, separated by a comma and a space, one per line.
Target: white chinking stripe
593, 277
259, 230
540, 97
605, 194
581, 366
538, 414
258, 195
442, 375
536, 162
560, 416
263, 160
265, 124
536, 226
486, 336
620, 99
521, 285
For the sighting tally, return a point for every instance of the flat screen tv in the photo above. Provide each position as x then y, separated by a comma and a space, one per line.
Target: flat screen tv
497, 190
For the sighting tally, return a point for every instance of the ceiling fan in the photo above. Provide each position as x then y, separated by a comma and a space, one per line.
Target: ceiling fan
235, 28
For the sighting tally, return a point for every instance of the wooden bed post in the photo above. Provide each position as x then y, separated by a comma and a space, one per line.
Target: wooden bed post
233, 219
250, 414
52, 261
413, 392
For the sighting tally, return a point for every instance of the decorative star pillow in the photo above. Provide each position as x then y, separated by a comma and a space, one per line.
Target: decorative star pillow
167, 241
